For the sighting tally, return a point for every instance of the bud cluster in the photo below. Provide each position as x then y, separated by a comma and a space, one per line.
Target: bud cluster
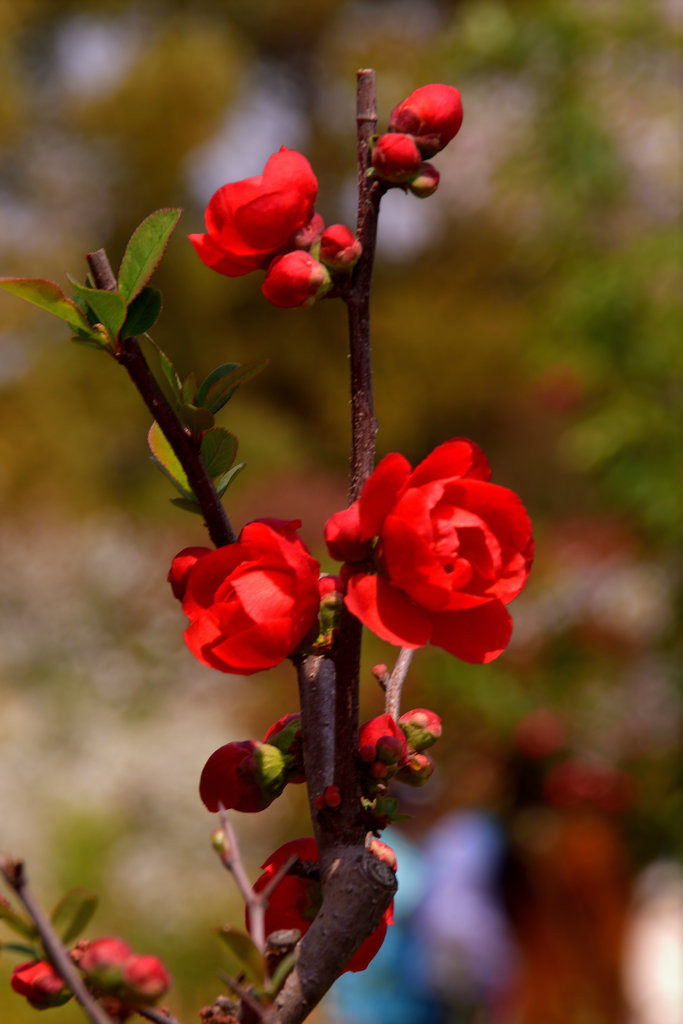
419, 127
122, 980
395, 750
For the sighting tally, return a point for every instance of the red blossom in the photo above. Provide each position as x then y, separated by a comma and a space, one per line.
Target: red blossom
145, 979
432, 113
396, 158
40, 984
251, 603
295, 279
103, 955
434, 554
295, 901
249, 222
242, 776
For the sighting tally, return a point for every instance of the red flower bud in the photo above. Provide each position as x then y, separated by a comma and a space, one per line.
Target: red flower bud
381, 728
432, 113
339, 247
145, 980
329, 798
309, 234
425, 182
421, 728
40, 984
244, 776
103, 955
416, 770
396, 158
295, 279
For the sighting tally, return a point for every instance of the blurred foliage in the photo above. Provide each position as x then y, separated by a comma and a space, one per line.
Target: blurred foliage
533, 304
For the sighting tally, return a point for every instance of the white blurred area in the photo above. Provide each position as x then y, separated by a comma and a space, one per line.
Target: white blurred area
653, 955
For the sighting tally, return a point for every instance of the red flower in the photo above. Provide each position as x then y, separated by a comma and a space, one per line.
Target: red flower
251, 603
433, 113
243, 776
40, 984
296, 900
396, 158
295, 279
434, 554
250, 221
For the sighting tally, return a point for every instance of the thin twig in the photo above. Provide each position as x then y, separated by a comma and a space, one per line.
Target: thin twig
261, 1011
129, 355
15, 876
158, 1016
395, 682
256, 902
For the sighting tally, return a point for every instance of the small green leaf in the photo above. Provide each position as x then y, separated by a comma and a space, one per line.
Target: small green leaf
280, 974
27, 952
72, 914
145, 250
50, 297
218, 450
143, 312
188, 505
18, 924
246, 955
221, 384
166, 458
223, 482
163, 370
108, 308
196, 420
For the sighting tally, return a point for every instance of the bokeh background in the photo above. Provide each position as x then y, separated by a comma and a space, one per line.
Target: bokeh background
534, 305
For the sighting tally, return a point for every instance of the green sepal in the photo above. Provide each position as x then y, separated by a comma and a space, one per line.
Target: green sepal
20, 925
107, 308
72, 914
143, 312
196, 420
50, 297
221, 384
245, 954
271, 765
218, 451
167, 460
145, 250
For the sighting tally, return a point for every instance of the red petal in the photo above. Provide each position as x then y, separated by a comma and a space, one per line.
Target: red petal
388, 612
477, 635
459, 457
380, 492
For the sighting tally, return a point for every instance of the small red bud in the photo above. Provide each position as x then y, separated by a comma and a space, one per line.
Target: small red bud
295, 279
40, 984
103, 955
396, 158
433, 113
421, 727
425, 182
145, 979
339, 247
309, 234
416, 770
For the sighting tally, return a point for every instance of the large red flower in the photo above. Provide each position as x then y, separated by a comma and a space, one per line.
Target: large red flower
296, 900
434, 554
249, 222
251, 603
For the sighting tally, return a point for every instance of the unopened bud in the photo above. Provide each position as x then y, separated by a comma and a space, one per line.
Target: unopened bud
396, 158
145, 979
421, 728
425, 182
295, 279
416, 770
339, 247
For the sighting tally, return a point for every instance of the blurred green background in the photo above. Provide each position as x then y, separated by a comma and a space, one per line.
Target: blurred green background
532, 304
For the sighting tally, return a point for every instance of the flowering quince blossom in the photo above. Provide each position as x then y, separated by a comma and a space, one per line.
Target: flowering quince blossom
252, 603
243, 776
249, 222
40, 984
381, 746
433, 555
432, 113
295, 901
396, 158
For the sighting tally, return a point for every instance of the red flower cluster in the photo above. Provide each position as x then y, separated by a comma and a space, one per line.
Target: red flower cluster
268, 222
419, 127
296, 899
124, 981
248, 776
252, 603
433, 555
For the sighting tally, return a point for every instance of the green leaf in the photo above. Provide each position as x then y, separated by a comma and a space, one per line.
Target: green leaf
221, 384
108, 308
280, 974
188, 504
218, 450
166, 458
50, 297
196, 420
163, 370
143, 312
27, 952
18, 924
223, 482
246, 955
72, 914
189, 389
145, 250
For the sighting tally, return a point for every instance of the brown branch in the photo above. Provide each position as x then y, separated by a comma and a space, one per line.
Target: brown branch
15, 876
129, 355
158, 1016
